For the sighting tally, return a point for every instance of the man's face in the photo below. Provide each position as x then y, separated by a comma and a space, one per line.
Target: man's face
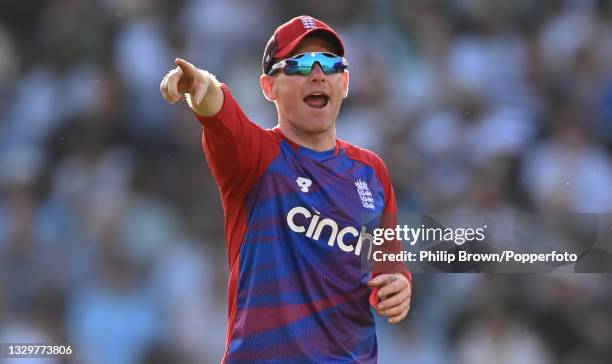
293, 95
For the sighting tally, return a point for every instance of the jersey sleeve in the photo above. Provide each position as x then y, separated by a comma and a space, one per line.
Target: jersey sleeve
237, 150
388, 220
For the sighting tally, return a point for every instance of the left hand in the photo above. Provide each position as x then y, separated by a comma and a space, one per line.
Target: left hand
394, 293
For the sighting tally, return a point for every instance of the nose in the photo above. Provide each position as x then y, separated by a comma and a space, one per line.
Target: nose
316, 74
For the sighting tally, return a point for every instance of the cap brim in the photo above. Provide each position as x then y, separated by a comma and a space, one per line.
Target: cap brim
333, 37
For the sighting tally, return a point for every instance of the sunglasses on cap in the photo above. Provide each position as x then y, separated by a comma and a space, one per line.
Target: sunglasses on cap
302, 64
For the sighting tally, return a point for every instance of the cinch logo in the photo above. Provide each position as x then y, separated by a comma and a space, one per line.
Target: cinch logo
336, 236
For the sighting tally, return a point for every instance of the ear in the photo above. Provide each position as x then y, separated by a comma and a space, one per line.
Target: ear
267, 86
345, 83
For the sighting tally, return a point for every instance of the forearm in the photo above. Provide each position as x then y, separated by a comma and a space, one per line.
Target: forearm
212, 101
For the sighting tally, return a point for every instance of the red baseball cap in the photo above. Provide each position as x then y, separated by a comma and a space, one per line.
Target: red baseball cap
288, 35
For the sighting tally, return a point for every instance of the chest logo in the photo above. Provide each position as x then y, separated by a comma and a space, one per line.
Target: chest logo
303, 183
365, 194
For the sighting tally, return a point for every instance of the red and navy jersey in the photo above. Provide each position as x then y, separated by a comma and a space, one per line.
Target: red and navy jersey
293, 216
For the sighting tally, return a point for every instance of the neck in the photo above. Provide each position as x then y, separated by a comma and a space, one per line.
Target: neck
319, 142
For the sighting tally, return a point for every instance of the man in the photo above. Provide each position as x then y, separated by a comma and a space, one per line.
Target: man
294, 198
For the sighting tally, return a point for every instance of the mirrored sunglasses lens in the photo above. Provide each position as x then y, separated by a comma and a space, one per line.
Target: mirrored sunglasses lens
302, 64
305, 69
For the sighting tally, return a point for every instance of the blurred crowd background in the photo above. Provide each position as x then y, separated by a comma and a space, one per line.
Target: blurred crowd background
111, 228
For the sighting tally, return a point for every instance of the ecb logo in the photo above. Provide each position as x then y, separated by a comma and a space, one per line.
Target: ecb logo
308, 22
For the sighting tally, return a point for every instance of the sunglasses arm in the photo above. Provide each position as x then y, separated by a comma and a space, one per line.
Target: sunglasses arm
277, 66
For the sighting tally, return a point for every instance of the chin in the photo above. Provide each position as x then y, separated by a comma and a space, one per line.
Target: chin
317, 124
316, 129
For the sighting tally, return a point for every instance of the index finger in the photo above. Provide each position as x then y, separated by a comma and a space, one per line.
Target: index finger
381, 280
187, 68
394, 287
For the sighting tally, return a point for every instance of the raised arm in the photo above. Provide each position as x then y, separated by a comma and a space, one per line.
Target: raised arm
237, 150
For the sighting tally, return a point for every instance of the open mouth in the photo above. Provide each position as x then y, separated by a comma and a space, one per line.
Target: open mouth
316, 100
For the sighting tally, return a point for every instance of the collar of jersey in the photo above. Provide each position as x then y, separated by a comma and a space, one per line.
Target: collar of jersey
310, 153
318, 156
